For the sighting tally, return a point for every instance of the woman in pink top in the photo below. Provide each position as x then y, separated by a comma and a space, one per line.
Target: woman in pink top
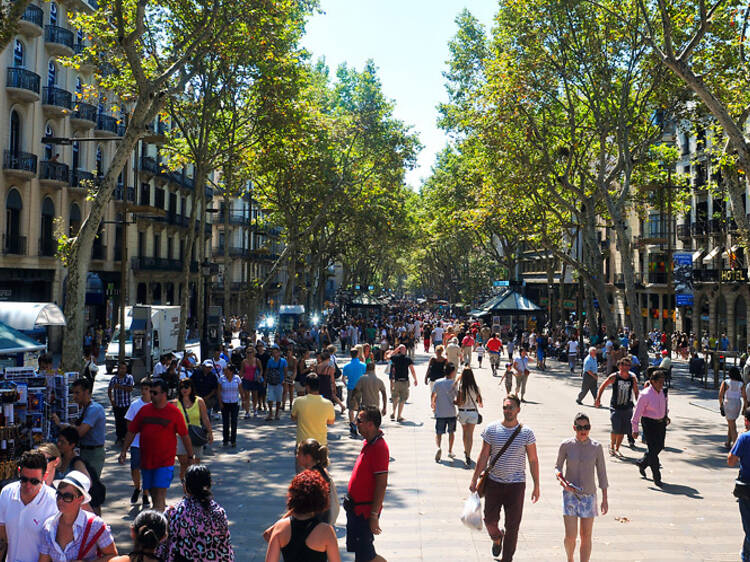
651, 409
252, 378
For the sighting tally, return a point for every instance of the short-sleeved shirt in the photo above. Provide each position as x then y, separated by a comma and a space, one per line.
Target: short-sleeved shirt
445, 395
401, 365
572, 346
521, 364
590, 364
95, 417
24, 523
51, 547
370, 387
511, 466
312, 412
230, 390
373, 459
494, 345
353, 371
204, 383
134, 408
121, 397
158, 427
468, 341
741, 449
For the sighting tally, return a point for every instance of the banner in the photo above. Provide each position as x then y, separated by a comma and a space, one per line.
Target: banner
683, 279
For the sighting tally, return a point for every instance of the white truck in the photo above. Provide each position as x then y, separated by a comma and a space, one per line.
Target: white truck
165, 323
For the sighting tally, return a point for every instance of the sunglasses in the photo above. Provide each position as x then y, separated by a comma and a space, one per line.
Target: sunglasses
509, 407
67, 497
26, 479
156, 392
583, 427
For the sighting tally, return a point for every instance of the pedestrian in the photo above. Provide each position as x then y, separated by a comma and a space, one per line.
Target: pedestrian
511, 346
506, 482
469, 399
572, 348
369, 389
67, 441
158, 423
274, 377
444, 406
480, 353
507, 378
494, 347
740, 454
352, 372
206, 384
120, 387
252, 378
193, 409
580, 457
135, 447
301, 535
521, 372
311, 455
326, 371
197, 527
468, 343
229, 403
91, 425
289, 374
52, 455
453, 351
24, 507
731, 397
427, 334
437, 335
366, 491
624, 392
263, 356
148, 531
436, 367
73, 533
401, 365
652, 408
313, 413
590, 376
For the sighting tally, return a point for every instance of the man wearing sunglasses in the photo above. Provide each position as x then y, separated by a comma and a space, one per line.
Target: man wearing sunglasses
24, 507
158, 423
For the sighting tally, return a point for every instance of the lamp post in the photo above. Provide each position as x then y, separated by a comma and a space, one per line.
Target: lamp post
206, 273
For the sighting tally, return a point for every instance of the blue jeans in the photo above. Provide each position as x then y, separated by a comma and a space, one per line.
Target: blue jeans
745, 515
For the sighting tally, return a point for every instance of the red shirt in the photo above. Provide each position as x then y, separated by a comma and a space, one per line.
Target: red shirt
372, 460
468, 341
494, 345
158, 428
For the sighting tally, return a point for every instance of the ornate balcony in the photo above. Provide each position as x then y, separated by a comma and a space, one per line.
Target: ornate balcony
21, 165
56, 102
53, 174
30, 23
58, 40
14, 245
83, 116
22, 85
106, 126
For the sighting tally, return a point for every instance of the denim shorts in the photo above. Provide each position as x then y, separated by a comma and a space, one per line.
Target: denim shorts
157, 477
441, 424
275, 392
135, 458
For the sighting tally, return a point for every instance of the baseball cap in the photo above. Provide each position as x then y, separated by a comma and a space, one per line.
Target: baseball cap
208, 363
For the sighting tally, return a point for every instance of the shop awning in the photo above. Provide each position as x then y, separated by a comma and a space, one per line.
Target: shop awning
713, 253
29, 316
13, 341
698, 255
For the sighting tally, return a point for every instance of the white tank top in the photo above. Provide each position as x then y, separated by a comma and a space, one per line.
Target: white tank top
733, 389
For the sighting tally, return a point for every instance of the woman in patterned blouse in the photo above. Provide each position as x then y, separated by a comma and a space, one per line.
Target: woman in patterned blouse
198, 527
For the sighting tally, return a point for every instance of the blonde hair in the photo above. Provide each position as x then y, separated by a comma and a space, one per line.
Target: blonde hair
49, 450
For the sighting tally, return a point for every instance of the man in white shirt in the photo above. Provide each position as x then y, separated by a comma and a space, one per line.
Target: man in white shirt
24, 507
572, 353
437, 335
163, 365
135, 448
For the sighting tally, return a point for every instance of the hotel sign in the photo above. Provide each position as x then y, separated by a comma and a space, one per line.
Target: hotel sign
734, 276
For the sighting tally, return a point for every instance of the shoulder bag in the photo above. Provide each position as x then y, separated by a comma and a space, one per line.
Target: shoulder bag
482, 484
198, 434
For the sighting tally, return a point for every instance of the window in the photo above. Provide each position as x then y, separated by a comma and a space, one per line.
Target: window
76, 155
74, 219
15, 133
99, 163
52, 13
47, 240
18, 52
157, 245
145, 194
13, 206
51, 73
170, 248
159, 198
49, 149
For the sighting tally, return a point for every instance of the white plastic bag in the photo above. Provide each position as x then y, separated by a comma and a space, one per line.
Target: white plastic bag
472, 515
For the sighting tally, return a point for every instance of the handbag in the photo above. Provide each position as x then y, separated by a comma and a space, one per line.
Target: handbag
198, 434
482, 484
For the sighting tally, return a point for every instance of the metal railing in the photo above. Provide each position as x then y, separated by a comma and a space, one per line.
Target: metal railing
106, 123
52, 95
14, 245
144, 263
54, 171
235, 218
683, 231
33, 14
19, 161
59, 35
699, 228
706, 275
23, 79
77, 177
85, 111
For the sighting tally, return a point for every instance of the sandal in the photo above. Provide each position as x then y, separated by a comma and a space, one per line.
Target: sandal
401, 420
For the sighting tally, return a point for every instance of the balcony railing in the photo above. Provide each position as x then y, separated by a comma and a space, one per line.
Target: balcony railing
53, 171
706, 275
81, 178
241, 219
23, 79
657, 277
33, 14
98, 252
47, 247
58, 35
14, 245
121, 192
85, 111
143, 263
22, 161
699, 228
58, 97
106, 123
683, 231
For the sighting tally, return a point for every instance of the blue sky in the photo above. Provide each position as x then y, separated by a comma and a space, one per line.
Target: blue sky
408, 40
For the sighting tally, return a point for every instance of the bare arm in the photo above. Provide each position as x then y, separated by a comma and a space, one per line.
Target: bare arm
205, 419
108, 552
381, 482
332, 546
3, 542
534, 467
732, 460
484, 457
609, 380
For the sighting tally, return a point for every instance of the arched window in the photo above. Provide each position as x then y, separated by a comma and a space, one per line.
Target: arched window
79, 87
99, 168
18, 54
15, 133
13, 205
76, 155
49, 149
51, 73
47, 239
52, 13
79, 36
74, 219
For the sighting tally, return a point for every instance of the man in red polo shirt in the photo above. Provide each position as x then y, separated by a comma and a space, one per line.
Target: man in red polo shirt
158, 423
367, 489
494, 347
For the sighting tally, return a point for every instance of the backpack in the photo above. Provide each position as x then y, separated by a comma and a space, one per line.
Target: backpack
273, 374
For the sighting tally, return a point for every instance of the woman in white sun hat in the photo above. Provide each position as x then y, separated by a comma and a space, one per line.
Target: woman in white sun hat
75, 534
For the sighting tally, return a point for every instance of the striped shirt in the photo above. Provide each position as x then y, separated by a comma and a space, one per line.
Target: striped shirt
121, 397
230, 390
511, 466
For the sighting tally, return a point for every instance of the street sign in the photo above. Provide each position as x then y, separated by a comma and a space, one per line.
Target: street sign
501, 283
356, 287
370, 287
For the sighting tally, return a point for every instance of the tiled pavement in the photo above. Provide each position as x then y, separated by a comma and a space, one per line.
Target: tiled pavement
694, 517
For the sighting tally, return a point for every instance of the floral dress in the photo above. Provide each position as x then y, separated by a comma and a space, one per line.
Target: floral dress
196, 533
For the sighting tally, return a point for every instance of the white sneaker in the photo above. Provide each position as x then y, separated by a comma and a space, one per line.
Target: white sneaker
438, 454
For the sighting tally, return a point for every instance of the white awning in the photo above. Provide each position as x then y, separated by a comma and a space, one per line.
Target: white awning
28, 316
715, 252
698, 255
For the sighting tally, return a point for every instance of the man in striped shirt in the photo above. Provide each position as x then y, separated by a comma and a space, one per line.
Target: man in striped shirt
506, 483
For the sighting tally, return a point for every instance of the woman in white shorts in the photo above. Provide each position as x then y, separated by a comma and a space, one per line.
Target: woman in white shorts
731, 397
468, 400
580, 457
